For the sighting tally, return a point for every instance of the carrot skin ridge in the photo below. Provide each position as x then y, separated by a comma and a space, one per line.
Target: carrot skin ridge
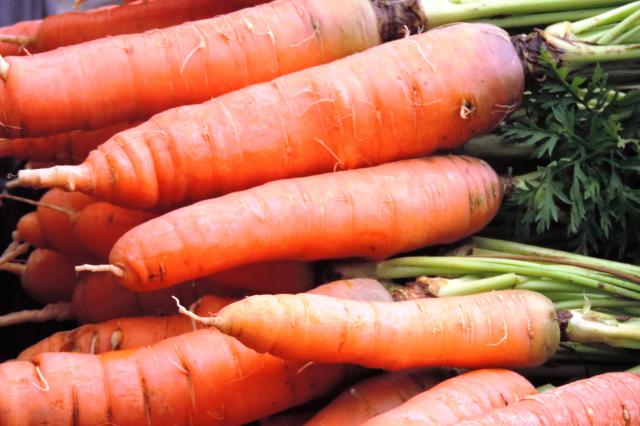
609, 399
341, 115
461, 397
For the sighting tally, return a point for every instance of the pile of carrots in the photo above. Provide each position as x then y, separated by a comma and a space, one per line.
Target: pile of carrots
206, 158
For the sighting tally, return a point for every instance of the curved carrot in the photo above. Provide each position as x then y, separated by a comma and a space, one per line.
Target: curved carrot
373, 212
194, 379
126, 333
609, 399
390, 102
459, 398
474, 331
70, 28
185, 64
376, 395
65, 148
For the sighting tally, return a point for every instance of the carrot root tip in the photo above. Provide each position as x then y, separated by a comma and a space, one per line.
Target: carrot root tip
4, 68
68, 177
54, 312
115, 270
208, 321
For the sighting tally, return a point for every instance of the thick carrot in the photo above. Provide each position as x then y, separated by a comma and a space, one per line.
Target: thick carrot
188, 63
509, 328
609, 399
376, 395
126, 333
65, 148
459, 398
341, 115
199, 378
372, 212
70, 28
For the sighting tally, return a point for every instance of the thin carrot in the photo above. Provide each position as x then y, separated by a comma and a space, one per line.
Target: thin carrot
65, 148
474, 331
75, 27
372, 212
459, 398
609, 399
194, 379
251, 45
126, 333
341, 115
374, 396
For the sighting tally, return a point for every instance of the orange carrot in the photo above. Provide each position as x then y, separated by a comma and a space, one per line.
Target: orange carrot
474, 331
126, 333
372, 212
376, 395
47, 276
137, 75
64, 148
70, 28
341, 115
196, 379
609, 399
459, 398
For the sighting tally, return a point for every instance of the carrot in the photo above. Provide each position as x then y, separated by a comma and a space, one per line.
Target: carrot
47, 276
251, 45
608, 399
99, 297
341, 115
19, 34
459, 398
196, 379
70, 28
126, 333
372, 212
474, 331
65, 148
376, 395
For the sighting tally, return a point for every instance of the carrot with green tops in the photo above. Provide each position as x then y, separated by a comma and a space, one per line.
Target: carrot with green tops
188, 63
342, 115
476, 331
64, 148
75, 27
126, 333
194, 379
374, 396
459, 398
609, 399
373, 212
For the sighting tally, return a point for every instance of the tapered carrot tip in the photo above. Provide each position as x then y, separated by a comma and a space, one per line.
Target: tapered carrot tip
70, 178
118, 272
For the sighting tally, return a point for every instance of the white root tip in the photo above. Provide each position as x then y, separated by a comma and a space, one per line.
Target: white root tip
208, 321
4, 68
115, 270
54, 312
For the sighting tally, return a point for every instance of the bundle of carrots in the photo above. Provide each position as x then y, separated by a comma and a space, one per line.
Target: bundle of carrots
219, 158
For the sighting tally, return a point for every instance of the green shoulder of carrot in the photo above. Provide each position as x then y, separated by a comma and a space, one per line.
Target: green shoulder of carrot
597, 300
